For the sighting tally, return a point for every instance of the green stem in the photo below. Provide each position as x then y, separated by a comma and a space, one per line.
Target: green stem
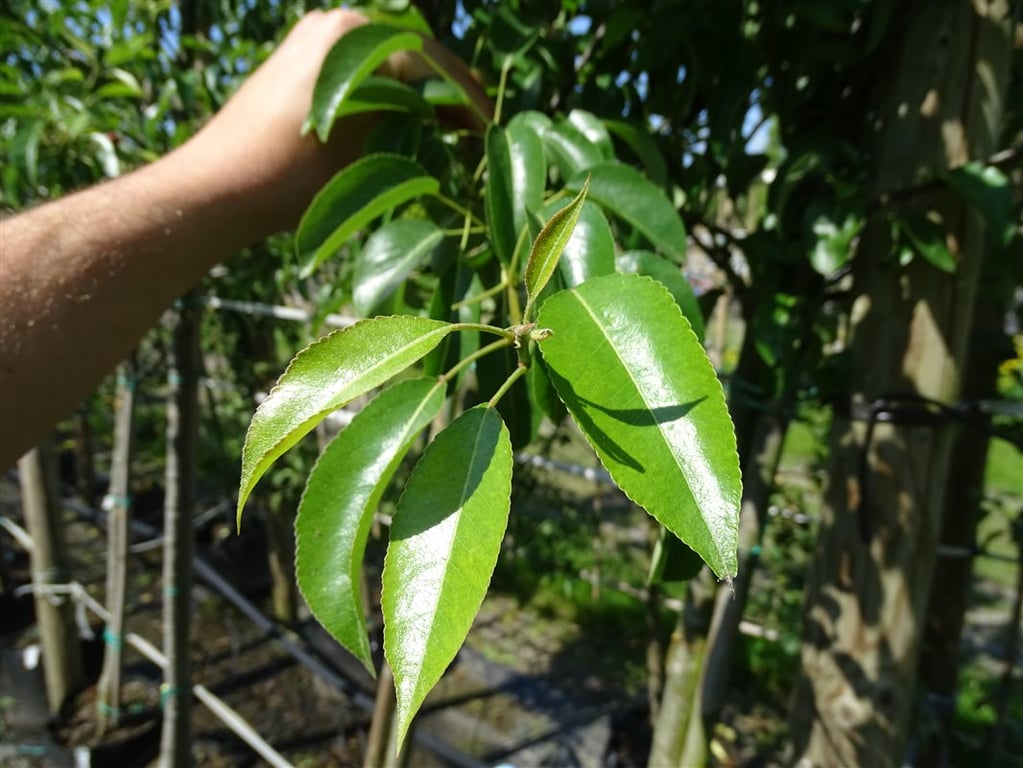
518, 373
459, 208
478, 297
504, 333
460, 230
514, 310
480, 167
470, 359
505, 67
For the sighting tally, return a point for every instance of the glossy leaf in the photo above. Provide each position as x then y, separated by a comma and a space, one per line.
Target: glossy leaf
926, 237
500, 196
833, 241
340, 498
637, 382
445, 538
590, 251
672, 560
626, 193
548, 246
543, 398
352, 59
988, 190
402, 15
528, 171
326, 375
569, 149
443, 93
358, 194
389, 256
643, 146
659, 268
594, 130
538, 122
384, 94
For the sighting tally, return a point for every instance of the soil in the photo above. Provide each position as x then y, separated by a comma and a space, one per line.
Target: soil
521, 692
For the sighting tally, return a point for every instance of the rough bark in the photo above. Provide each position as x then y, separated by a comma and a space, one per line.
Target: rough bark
179, 504
118, 508
40, 494
870, 580
950, 588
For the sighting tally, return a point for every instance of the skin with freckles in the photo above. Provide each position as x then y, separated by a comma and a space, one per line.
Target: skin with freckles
82, 278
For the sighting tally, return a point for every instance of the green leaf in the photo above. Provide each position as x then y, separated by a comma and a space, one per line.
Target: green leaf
637, 382
341, 495
988, 190
500, 195
445, 538
832, 245
326, 375
508, 34
659, 268
569, 149
672, 561
543, 398
515, 406
443, 93
537, 122
926, 237
590, 251
642, 145
594, 130
402, 15
528, 171
547, 248
352, 59
354, 197
389, 257
626, 193
384, 94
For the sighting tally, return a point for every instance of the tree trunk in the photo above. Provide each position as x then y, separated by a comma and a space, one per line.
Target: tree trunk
730, 602
655, 652
280, 529
182, 444
682, 666
871, 576
950, 589
40, 494
381, 743
118, 508
1003, 697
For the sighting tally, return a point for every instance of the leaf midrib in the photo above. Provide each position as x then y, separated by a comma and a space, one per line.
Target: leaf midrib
639, 391
454, 536
263, 462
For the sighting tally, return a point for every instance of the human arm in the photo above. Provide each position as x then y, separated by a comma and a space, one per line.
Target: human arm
82, 278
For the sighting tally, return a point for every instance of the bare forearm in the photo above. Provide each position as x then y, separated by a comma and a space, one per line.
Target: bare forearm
82, 279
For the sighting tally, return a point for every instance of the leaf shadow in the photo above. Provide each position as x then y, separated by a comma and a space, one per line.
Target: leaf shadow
635, 417
439, 500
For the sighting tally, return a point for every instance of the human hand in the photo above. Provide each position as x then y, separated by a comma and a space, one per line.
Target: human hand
253, 151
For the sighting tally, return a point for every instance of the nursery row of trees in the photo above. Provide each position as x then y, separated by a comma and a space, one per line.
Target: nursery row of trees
852, 168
